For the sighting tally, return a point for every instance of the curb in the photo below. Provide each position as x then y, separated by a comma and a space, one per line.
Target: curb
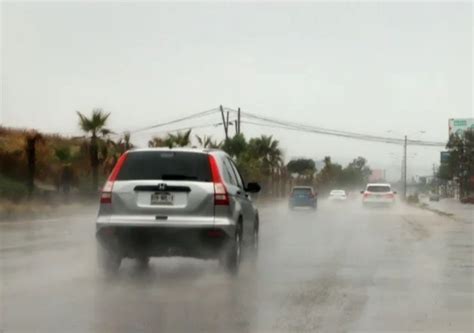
433, 210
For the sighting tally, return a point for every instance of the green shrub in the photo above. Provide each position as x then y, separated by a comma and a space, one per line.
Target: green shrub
12, 189
413, 198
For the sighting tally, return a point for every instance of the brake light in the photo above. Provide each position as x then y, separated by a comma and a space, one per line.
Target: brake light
216, 233
390, 195
106, 193
106, 196
221, 197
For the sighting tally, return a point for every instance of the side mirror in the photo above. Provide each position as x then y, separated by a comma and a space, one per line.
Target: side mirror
394, 192
362, 192
253, 188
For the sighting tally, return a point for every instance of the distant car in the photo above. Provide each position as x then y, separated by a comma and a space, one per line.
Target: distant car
378, 194
303, 196
434, 197
338, 195
162, 202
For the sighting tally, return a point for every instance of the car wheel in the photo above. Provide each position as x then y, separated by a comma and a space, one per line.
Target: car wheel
254, 243
234, 252
109, 262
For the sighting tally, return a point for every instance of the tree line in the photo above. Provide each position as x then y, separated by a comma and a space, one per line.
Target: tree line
332, 175
73, 162
459, 166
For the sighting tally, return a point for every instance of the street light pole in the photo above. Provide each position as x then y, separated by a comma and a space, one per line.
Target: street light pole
238, 121
404, 171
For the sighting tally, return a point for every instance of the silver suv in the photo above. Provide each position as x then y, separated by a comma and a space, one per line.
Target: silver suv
175, 202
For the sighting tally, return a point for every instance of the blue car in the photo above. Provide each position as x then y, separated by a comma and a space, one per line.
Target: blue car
303, 196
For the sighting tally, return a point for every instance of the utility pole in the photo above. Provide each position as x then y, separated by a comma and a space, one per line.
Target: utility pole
227, 121
224, 122
404, 171
238, 121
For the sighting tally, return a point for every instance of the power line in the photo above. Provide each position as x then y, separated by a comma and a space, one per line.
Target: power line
346, 134
192, 116
184, 129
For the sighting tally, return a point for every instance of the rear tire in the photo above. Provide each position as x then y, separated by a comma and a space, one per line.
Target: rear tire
233, 253
253, 246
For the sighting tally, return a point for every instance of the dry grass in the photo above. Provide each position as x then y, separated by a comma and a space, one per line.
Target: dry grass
48, 168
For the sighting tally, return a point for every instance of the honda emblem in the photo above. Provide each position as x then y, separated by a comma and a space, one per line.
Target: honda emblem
161, 187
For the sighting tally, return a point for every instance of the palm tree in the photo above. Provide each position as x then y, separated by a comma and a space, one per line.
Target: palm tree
172, 140
65, 156
95, 127
207, 142
126, 140
268, 151
237, 146
157, 141
30, 148
179, 139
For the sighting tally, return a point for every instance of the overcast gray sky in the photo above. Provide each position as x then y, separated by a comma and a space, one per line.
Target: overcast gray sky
364, 67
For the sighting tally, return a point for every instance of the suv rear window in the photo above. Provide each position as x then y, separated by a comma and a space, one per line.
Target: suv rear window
378, 188
302, 191
166, 165
337, 192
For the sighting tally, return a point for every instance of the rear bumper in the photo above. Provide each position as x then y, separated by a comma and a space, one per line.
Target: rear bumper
378, 202
226, 224
303, 203
198, 238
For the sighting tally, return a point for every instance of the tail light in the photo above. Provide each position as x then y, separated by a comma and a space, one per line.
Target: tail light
106, 193
221, 197
215, 233
390, 195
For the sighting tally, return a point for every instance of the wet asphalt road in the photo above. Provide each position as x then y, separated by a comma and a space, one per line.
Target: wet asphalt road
339, 269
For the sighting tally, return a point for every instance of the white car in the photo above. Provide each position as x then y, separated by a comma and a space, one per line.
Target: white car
337, 195
378, 194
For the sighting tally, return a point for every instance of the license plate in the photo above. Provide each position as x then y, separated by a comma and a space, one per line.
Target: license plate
161, 199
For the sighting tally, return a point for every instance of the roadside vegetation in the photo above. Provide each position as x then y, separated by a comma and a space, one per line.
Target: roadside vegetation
460, 164
39, 166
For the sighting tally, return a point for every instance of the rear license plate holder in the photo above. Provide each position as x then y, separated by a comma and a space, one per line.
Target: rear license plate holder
161, 199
